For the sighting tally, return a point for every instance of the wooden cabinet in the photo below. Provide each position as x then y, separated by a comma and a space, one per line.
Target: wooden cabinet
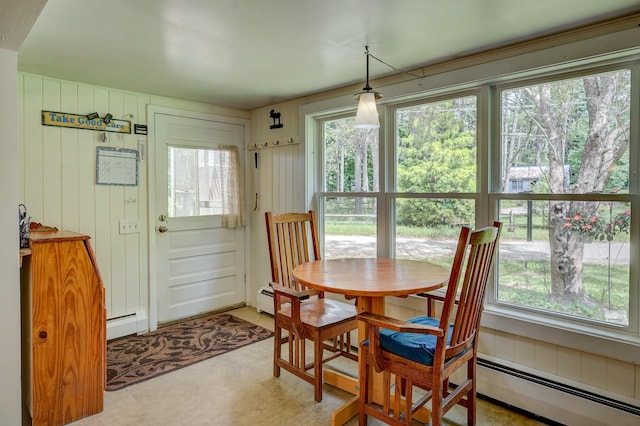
64, 329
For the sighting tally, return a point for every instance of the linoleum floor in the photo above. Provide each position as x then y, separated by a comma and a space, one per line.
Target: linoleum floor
238, 388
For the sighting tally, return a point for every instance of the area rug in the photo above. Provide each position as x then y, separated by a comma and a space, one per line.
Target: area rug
133, 359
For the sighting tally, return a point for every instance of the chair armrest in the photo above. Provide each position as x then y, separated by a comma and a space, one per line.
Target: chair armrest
438, 294
291, 293
435, 295
398, 325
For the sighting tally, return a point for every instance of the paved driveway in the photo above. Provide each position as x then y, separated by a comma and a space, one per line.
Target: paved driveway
343, 246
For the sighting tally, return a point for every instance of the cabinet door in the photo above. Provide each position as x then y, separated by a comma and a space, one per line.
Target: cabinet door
68, 333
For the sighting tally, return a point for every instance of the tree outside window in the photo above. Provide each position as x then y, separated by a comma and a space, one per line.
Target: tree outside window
576, 132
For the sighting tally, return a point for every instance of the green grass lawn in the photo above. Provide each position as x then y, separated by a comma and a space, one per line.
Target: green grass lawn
527, 283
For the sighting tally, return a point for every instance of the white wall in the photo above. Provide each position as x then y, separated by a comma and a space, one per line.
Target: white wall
10, 406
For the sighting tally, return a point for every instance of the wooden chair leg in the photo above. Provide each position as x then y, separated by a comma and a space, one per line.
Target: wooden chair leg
317, 368
408, 398
277, 350
431, 307
471, 395
436, 404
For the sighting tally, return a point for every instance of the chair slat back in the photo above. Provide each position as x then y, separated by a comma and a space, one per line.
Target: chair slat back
292, 239
472, 262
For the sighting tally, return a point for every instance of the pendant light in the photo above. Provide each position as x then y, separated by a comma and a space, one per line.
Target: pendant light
367, 114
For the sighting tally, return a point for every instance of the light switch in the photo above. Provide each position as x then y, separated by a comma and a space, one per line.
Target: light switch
128, 226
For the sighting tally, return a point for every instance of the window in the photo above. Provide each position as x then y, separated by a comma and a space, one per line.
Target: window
350, 176
570, 254
435, 171
549, 157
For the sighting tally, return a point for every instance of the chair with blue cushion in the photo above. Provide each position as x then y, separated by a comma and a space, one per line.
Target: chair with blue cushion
424, 352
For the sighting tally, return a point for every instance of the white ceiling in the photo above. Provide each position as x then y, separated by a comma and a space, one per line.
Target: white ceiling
252, 53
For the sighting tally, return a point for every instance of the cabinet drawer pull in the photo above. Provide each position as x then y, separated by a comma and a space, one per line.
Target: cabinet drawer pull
43, 334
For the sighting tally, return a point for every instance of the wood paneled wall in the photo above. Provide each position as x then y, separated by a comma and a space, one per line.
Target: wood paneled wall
278, 180
58, 175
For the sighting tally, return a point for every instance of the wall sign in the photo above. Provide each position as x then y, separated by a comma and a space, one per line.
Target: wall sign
140, 129
77, 121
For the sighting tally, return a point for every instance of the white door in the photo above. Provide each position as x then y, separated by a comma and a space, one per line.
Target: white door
199, 264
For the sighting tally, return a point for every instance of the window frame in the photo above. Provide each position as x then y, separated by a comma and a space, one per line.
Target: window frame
547, 326
610, 342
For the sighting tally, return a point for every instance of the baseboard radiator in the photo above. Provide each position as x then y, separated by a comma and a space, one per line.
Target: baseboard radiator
125, 325
552, 402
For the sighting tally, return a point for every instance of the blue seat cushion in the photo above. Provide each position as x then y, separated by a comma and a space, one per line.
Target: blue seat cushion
416, 347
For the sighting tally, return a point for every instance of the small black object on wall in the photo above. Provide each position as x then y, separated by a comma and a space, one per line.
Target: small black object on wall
276, 119
23, 225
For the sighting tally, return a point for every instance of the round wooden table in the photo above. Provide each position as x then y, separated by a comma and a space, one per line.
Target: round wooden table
372, 277
370, 281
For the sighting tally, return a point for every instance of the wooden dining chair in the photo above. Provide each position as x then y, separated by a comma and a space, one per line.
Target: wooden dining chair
424, 351
304, 313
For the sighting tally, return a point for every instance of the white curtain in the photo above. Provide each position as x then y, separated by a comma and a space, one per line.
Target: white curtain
233, 188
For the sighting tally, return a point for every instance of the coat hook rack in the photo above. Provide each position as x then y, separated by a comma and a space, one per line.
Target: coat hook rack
272, 144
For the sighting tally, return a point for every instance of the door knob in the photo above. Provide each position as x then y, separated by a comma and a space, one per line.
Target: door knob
162, 229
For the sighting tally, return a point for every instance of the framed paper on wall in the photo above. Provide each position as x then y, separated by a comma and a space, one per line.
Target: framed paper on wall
116, 166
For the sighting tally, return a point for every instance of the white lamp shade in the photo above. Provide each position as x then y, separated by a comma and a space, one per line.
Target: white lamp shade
367, 115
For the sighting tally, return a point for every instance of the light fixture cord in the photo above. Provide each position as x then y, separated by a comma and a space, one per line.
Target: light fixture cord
389, 65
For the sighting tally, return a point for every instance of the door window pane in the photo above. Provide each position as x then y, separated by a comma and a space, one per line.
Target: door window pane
196, 181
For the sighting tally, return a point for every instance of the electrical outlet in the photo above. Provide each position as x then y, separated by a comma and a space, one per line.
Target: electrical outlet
128, 226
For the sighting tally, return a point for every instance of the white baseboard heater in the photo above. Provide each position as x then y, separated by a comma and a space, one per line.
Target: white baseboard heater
264, 300
125, 325
551, 400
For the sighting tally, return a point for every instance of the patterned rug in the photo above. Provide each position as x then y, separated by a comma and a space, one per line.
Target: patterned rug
133, 359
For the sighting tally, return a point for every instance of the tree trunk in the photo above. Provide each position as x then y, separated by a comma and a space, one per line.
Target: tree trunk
567, 250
